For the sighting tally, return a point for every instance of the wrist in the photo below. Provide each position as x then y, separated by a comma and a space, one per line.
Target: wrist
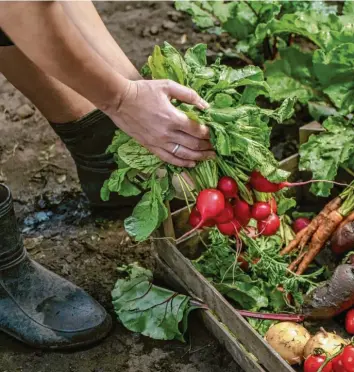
121, 88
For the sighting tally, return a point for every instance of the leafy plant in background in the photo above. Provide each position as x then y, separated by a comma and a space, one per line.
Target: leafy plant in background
240, 133
307, 51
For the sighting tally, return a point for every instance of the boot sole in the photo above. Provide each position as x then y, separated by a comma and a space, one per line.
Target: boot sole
78, 345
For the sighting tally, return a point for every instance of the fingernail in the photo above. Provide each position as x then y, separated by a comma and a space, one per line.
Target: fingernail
210, 157
192, 165
204, 103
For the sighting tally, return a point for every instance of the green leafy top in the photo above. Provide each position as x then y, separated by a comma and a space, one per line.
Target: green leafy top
148, 309
240, 133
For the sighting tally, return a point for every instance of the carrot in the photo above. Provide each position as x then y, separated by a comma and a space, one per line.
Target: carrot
293, 244
303, 236
296, 262
319, 238
348, 219
319, 219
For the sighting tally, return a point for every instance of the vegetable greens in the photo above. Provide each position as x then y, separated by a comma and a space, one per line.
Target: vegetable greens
240, 133
150, 310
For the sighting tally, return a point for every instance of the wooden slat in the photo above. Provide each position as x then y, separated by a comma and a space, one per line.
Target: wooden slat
217, 303
308, 129
247, 361
290, 164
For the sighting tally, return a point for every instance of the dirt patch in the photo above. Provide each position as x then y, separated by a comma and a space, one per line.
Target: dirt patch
61, 233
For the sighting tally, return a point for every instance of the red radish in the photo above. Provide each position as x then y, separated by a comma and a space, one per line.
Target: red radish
300, 224
244, 264
337, 364
210, 203
226, 215
269, 226
195, 218
261, 184
273, 205
242, 212
261, 210
230, 228
349, 322
228, 187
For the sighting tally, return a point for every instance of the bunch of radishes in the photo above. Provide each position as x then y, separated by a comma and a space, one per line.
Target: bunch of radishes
222, 207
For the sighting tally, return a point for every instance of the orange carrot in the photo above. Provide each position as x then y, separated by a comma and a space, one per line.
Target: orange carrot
348, 219
319, 238
296, 262
293, 244
319, 219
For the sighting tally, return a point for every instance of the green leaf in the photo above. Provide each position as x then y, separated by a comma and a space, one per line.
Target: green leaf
247, 295
325, 152
348, 8
156, 63
195, 57
335, 71
291, 76
147, 215
148, 309
200, 17
222, 100
284, 204
104, 193
138, 157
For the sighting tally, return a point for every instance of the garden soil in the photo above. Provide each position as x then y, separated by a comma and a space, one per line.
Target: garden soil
62, 234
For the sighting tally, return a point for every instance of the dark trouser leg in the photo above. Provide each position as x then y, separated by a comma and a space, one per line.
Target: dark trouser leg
37, 306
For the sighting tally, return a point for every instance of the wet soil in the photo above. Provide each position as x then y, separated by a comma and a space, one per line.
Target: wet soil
61, 233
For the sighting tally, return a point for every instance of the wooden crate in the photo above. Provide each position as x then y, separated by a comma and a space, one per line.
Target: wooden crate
245, 345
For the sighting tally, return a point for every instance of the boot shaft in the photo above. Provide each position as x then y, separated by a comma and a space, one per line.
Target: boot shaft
11, 245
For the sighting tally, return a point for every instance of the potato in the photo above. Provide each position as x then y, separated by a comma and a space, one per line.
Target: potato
288, 340
330, 343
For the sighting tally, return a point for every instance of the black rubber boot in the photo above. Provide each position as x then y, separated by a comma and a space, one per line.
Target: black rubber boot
37, 306
87, 140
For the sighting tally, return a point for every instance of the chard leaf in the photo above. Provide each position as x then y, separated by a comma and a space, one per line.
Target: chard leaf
201, 18
335, 71
148, 309
291, 76
325, 152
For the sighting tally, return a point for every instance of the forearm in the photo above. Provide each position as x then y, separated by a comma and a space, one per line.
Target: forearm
84, 15
47, 36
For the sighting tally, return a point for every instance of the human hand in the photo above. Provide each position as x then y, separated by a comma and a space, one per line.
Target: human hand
146, 114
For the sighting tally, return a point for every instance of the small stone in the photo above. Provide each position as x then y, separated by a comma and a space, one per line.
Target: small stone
25, 111
128, 7
168, 25
61, 178
154, 30
174, 15
145, 32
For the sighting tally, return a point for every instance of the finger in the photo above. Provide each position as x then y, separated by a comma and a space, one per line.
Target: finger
186, 95
191, 142
171, 159
188, 154
184, 124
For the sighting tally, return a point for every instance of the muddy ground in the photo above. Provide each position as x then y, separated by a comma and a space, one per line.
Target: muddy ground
61, 233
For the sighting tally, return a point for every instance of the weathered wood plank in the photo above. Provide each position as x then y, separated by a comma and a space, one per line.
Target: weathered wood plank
217, 303
308, 129
247, 361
